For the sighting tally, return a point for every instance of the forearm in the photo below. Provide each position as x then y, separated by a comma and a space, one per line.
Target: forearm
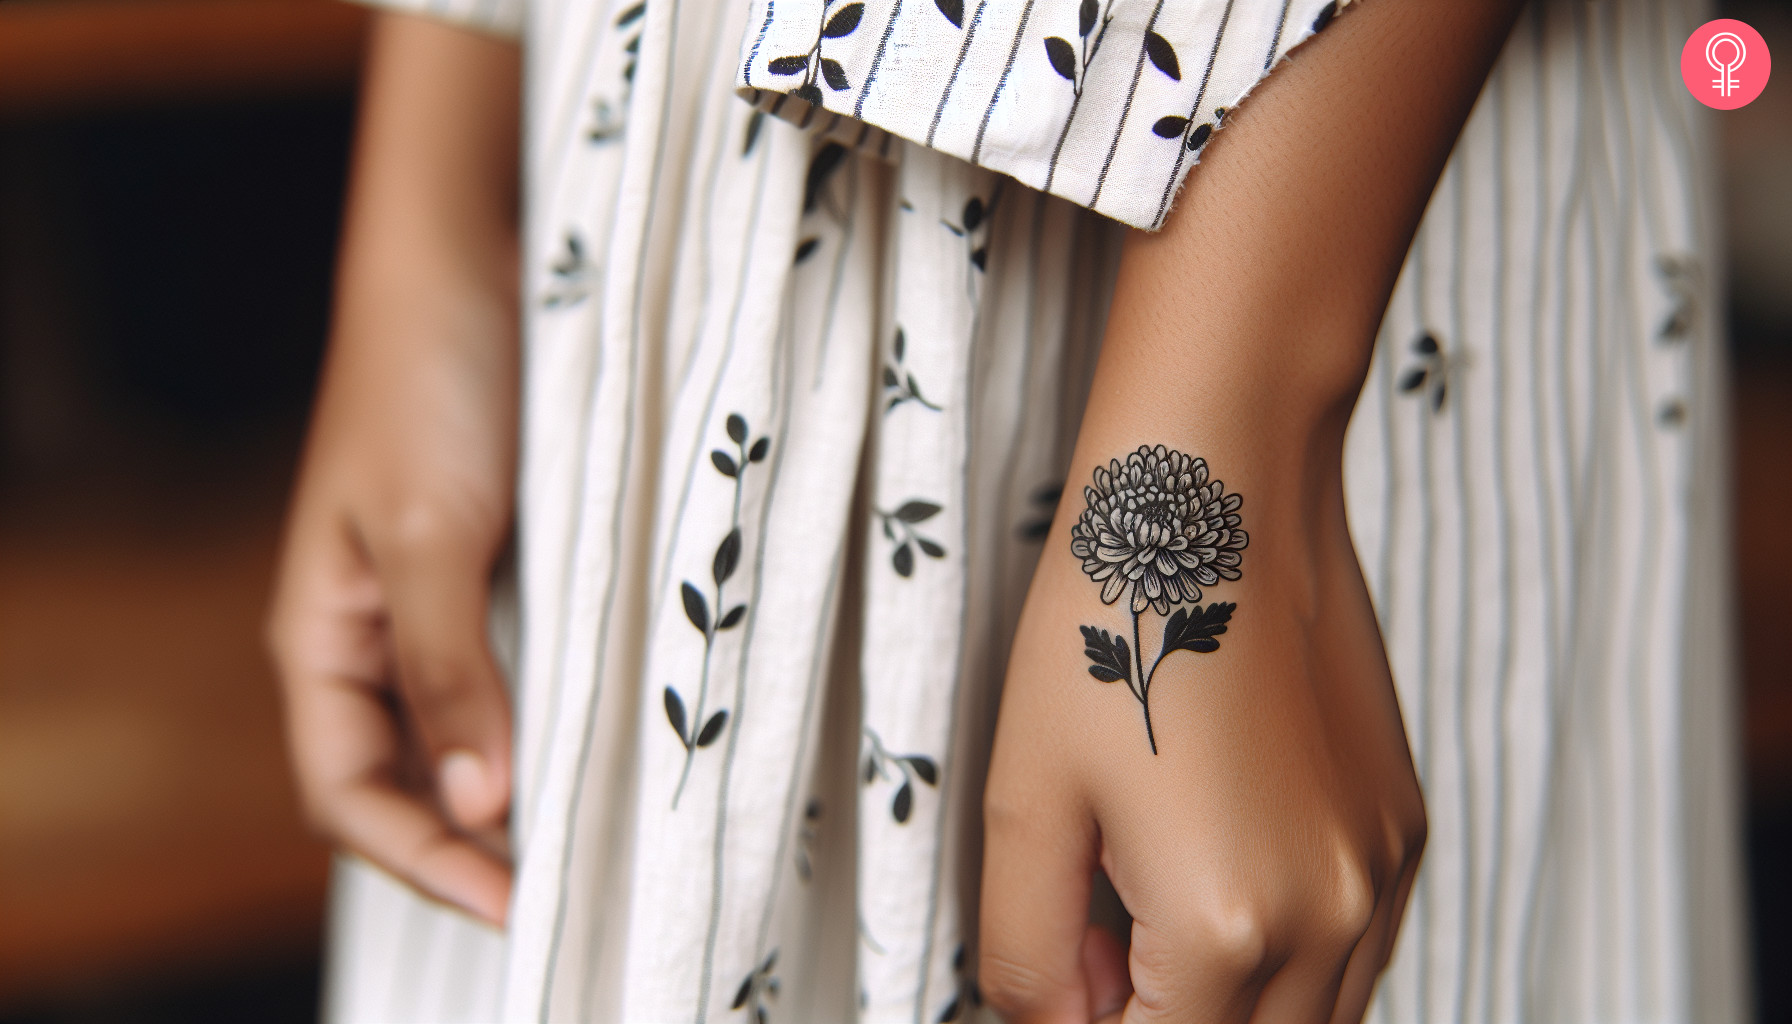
1242, 331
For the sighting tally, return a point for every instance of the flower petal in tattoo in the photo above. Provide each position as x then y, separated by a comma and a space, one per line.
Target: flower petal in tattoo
1157, 528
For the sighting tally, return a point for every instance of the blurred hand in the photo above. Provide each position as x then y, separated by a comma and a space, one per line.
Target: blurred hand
397, 714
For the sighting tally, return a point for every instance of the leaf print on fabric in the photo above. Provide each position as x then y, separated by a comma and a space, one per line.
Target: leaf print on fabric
902, 522
953, 10
974, 226
899, 382
755, 123
758, 986
1325, 15
696, 730
1073, 67
966, 995
879, 763
822, 167
1044, 503
815, 65
571, 274
807, 836
1432, 375
1680, 275
1156, 528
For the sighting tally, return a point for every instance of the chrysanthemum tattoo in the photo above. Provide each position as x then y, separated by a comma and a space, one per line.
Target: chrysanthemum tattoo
1156, 529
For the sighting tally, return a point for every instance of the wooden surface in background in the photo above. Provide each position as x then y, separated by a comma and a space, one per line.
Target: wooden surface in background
61, 54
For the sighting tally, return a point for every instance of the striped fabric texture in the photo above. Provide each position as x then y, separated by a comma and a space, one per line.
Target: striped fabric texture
800, 388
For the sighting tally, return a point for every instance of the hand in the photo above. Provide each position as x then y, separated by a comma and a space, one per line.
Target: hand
397, 717
1265, 850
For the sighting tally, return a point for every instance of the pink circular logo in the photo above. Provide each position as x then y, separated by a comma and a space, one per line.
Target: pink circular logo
1725, 64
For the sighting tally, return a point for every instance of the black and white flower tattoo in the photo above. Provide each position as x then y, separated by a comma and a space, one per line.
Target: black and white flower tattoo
1156, 529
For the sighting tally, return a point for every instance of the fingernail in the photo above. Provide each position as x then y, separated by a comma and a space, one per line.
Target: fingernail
465, 785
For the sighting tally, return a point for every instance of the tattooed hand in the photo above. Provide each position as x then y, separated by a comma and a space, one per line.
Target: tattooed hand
1216, 729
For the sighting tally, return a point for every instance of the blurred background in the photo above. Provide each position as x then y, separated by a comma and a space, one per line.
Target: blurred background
170, 178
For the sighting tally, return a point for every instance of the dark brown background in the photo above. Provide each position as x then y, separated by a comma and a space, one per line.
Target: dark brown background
170, 175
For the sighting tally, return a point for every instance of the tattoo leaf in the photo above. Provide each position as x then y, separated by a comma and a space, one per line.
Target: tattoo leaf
1195, 630
917, 511
1163, 55
844, 22
727, 556
1110, 656
675, 715
712, 728
903, 804
1063, 58
695, 608
724, 462
925, 768
795, 64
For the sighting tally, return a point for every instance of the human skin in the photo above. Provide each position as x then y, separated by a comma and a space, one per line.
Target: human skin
1264, 851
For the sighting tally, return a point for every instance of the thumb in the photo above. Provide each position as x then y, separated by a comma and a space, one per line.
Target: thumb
438, 593
1038, 861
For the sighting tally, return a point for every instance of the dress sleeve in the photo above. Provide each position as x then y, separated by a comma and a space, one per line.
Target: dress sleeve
498, 17
1107, 103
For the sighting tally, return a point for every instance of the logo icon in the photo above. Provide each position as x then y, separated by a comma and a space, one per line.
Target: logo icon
1725, 64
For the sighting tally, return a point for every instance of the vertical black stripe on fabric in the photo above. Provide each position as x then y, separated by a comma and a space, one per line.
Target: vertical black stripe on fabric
1465, 591
1163, 204
1020, 31
970, 35
1138, 69
1275, 39
877, 61
1646, 595
1507, 490
633, 342
847, 233
948, 756
746, 69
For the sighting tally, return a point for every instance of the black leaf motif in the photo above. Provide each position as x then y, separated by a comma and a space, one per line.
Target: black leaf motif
634, 46
930, 548
737, 428
1163, 55
695, 608
1325, 15
724, 463
973, 213
844, 21
1414, 379
834, 74
760, 1016
1194, 630
1437, 396
1085, 17
890, 378
712, 728
746, 989
917, 511
760, 447
1426, 344
980, 257
953, 10
630, 16
950, 1013
903, 804
903, 559
806, 249
1110, 655
870, 772
754, 123
1058, 50
675, 715
925, 768
727, 557
1198, 137
822, 166
1170, 127
629, 71
900, 343
732, 619
809, 94
795, 64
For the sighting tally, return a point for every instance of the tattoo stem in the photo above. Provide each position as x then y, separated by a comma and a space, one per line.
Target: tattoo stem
1138, 658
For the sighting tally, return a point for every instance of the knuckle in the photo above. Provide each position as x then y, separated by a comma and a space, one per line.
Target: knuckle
1350, 907
417, 527
1230, 935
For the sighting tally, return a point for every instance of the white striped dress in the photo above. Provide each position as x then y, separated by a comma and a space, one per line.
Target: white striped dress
813, 292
